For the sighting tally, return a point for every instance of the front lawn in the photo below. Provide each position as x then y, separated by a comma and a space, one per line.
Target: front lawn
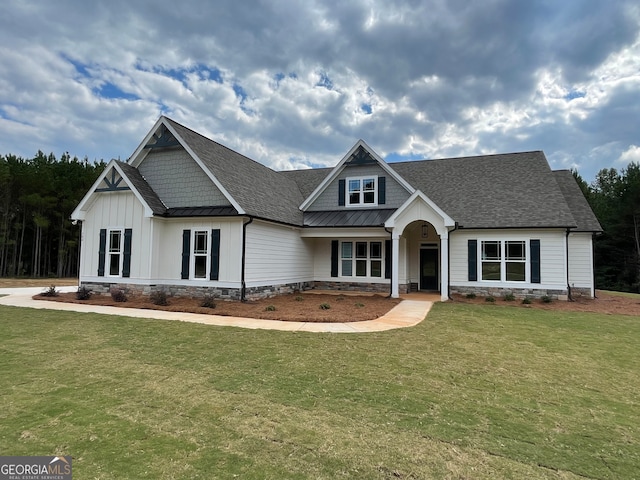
472, 392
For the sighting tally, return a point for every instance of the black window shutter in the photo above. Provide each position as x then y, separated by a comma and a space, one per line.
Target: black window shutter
535, 261
334, 258
102, 250
186, 251
473, 260
215, 254
387, 259
126, 261
382, 190
342, 185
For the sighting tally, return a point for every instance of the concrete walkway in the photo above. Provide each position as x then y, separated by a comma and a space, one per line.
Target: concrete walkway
411, 311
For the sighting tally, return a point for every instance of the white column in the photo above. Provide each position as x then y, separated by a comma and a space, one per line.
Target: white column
444, 266
395, 263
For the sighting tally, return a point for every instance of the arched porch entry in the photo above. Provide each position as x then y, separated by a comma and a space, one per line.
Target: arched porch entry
420, 246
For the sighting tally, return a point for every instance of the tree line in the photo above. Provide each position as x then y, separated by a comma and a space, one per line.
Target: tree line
37, 238
37, 196
614, 197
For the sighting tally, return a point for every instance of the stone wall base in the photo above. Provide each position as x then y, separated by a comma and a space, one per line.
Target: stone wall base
516, 292
252, 293
358, 287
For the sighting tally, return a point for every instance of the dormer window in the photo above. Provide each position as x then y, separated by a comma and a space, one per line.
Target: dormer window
362, 191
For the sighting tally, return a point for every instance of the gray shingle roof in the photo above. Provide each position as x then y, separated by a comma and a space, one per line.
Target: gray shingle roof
260, 191
515, 190
308, 179
141, 185
586, 219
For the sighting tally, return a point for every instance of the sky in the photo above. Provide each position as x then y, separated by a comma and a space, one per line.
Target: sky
295, 84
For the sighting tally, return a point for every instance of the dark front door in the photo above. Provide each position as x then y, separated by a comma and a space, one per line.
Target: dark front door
429, 269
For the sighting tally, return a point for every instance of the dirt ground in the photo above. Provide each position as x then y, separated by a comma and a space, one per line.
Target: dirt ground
604, 302
305, 307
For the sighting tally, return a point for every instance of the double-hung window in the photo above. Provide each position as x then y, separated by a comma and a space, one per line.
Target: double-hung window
504, 260
515, 261
200, 253
362, 191
491, 260
114, 252
363, 261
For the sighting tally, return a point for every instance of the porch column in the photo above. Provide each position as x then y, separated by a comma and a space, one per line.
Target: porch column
444, 267
395, 263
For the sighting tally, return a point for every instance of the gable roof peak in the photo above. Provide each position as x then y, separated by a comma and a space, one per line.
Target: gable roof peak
359, 154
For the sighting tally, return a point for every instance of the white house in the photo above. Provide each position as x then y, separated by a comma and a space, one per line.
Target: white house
190, 216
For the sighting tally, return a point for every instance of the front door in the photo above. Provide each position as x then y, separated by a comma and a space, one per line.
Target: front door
428, 269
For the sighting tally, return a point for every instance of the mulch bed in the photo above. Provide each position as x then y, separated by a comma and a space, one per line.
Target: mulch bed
302, 308
603, 303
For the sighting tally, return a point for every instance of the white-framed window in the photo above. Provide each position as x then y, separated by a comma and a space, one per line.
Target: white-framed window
362, 191
361, 259
200, 256
515, 260
115, 244
503, 260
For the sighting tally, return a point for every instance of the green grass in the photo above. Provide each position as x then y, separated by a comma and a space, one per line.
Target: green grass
623, 294
473, 392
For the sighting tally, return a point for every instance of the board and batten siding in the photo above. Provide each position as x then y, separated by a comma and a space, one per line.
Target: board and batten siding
396, 194
276, 255
581, 260
115, 210
552, 257
179, 181
168, 250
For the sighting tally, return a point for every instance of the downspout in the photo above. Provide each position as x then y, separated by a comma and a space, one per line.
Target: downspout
243, 289
566, 243
593, 262
455, 227
390, 232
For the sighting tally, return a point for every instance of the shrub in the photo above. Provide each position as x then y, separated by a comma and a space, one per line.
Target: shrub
270, 308
83, 293
471, 295
359, 305
509, 297
526, 301
118, 294
325, 306
159, 297
340, 298
50, 292
299, 298
546, 299
490, 299
208, 301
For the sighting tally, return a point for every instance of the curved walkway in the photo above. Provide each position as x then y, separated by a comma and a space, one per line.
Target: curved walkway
411, 311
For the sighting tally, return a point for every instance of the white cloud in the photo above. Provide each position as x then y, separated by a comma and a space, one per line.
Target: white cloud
419, 79
631, 154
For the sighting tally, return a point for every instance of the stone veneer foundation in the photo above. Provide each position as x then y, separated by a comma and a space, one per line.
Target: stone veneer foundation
521, 292
251, 293
255, 293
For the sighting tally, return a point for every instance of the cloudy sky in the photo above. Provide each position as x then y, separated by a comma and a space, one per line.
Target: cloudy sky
296, 83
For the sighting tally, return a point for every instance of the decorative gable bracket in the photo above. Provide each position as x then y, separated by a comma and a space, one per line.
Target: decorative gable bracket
166, 139
113, 184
